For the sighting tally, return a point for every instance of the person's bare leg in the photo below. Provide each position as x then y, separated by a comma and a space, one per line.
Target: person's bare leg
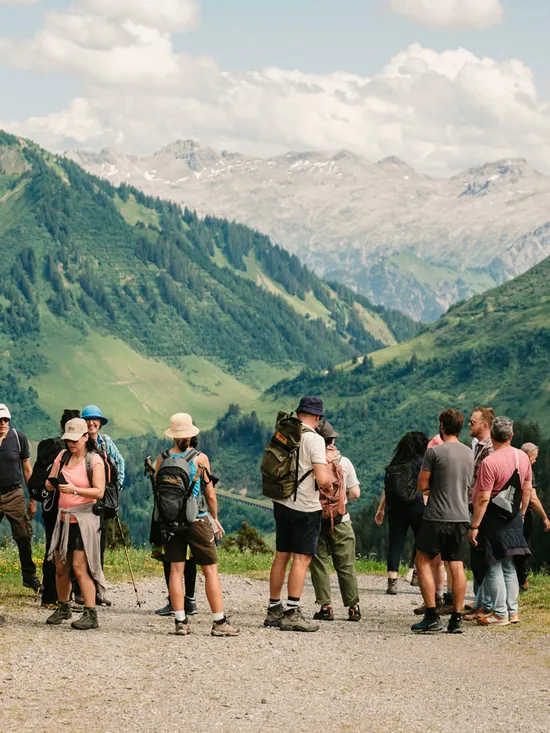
87, 585
175, 587
438, 572
213, 588
63, 576
277, 574
449, 577
456, 571
297, 575
425, 578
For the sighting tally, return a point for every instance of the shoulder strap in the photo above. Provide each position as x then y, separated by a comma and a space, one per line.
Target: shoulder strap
89, 468
191, 454
165, 455
17, 439
516, 453
65, 458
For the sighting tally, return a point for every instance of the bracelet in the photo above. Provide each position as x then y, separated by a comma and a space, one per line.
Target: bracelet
476, 528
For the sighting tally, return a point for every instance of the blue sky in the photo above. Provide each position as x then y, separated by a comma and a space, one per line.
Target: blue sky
242, 38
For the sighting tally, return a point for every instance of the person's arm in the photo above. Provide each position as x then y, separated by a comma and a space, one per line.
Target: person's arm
353, 493
526, 491
424, 481
322, 476
379, 516
116, 456
210, 493
53, 474
27, 473
480, 507
537, 506
96, 491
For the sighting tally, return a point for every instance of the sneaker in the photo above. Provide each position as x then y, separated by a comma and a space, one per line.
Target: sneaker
391, 590
87, 621
455, 625
61, 613
446, 609
182, 628
34, 584
514, 618
427, 625
414, 579
166, 610
325, 613
354, 613
224, 628
190, 606
275, 615
474, 614
103, 602
293, 620
409, 575
492, 620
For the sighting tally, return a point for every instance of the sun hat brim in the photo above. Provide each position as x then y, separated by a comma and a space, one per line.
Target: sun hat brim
177, 434
73, 436
102, 420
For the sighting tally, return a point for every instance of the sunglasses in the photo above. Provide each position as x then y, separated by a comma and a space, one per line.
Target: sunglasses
4, 419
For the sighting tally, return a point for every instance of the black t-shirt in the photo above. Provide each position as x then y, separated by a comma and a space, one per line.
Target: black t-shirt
14, 449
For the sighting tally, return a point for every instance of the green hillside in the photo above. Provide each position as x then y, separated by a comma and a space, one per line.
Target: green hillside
110, 296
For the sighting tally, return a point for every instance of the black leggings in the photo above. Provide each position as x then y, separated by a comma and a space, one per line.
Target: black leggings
522, 561
189, 576
399, 521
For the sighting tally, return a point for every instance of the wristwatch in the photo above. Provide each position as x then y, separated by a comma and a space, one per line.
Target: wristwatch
75, 492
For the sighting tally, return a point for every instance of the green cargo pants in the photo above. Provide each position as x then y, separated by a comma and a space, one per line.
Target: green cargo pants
341, 547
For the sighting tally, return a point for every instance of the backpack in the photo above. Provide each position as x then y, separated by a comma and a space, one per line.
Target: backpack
280, 464
333, 500
399, 483
507, 503
109, 503
175, 504
47, 452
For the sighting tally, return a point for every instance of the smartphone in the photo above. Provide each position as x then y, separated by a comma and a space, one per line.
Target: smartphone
54, 481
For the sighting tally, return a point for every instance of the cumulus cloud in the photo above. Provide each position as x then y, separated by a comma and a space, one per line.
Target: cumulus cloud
18, 2
450, 13
439, 111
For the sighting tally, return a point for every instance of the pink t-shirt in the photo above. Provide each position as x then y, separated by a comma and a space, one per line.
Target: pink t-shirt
497, 468
78, 476
436, 440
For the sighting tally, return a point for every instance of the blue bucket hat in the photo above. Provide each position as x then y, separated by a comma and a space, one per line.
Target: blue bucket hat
93, 412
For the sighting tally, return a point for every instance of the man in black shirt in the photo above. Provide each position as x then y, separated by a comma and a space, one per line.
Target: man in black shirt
15, 466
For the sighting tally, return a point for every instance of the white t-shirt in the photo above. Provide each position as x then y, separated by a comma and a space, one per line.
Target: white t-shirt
312, 451
350, 480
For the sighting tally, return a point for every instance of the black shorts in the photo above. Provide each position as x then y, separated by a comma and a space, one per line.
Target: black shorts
296, 532
447, 538
199, 537
75, 538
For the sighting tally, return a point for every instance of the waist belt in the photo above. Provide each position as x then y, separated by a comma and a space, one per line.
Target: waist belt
7, 489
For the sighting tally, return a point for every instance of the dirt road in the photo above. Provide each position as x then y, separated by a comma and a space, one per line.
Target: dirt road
133, 675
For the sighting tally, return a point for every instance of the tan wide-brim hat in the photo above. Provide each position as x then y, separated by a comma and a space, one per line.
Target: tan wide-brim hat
181, 426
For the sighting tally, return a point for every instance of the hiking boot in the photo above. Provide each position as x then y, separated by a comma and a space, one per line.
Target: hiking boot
455, 625
34, 584
190, 606
427, 625
293, 620
325, 613
420, 611
102, 601
61, 613
414, 580
166, 610
77, 606
391, 590
514, 618
224, 628
182, 628
88, 620
354, 613
492, 620
446, 609
474, 615
275, 615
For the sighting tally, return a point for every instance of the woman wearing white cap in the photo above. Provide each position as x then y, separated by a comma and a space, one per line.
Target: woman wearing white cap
199, 535
79, 473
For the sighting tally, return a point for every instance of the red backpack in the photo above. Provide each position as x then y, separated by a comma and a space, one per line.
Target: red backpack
333, 500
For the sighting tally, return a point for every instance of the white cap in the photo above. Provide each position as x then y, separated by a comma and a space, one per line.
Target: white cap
4, 412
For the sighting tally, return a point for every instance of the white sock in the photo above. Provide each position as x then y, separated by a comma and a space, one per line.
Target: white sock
218, 616
180, 615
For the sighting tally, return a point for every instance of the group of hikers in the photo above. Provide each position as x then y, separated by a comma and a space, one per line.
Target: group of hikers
462, 503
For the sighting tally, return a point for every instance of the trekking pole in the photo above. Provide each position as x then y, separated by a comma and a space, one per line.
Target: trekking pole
128, 559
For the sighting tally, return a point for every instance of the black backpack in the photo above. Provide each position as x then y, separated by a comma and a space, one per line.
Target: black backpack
48, 450
175, 504
109, 503
507, 503
400, 484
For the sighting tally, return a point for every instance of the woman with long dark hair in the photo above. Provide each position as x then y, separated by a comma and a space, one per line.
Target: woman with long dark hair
401, 515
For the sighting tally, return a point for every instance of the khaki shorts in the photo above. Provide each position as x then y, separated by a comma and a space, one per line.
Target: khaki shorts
199, 537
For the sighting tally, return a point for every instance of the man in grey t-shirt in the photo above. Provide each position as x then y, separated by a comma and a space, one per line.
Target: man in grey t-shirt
446, 476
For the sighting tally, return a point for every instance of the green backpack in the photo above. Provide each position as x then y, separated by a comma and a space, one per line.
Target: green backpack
281, 459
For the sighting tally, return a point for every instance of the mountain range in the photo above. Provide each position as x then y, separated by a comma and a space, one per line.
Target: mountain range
400, 238
112, 297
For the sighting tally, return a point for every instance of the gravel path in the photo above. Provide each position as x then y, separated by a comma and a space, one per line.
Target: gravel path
133, 675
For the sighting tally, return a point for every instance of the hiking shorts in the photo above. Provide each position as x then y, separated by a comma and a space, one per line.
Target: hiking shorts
199, 537
447, 538
296, 532
75, 538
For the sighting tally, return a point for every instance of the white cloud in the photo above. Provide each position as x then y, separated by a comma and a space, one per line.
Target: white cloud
450, 13
18, 2
438, 111
170, 16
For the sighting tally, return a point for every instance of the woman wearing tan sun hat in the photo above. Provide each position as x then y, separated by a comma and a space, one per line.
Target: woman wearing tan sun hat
199, 535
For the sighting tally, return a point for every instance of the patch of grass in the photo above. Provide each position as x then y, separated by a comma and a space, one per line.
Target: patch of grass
134, 212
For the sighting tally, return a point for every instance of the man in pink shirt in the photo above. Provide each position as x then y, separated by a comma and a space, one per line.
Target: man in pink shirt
500, 539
